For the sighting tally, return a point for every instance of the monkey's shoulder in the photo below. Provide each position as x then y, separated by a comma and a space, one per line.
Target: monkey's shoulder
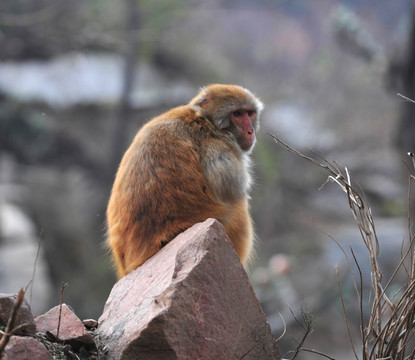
182, 122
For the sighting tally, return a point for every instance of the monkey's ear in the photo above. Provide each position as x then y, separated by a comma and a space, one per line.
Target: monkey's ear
203, 102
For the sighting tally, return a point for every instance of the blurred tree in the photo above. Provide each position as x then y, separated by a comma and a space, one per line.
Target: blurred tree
400, 73
406, 72
119, 126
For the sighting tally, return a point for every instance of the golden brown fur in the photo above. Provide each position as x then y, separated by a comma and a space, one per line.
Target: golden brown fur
183, 167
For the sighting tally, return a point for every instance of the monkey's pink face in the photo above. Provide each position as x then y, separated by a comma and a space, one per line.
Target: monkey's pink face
244, 119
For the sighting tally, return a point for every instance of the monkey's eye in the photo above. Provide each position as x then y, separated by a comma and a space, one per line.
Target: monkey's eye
250, 112
237, 113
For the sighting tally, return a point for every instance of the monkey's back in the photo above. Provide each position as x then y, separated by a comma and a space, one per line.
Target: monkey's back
160, 188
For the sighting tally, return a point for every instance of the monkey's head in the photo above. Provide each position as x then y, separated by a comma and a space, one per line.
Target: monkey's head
231, 108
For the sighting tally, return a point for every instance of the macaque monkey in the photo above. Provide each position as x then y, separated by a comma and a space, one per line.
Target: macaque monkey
183, 167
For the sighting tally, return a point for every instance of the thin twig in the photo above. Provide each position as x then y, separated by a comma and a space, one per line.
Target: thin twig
409, 210
285, 328
360, 296
345, 314
35, 266
405, 98
307, 319
63, 286
317, 352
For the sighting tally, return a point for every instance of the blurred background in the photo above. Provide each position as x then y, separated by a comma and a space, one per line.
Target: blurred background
78, 79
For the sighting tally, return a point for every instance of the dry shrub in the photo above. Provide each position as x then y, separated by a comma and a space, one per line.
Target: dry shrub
389, 331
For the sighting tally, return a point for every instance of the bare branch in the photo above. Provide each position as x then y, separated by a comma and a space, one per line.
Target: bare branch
307, 320
318, 353
63, 286
406, 98
346, 320
32, 280
285, 328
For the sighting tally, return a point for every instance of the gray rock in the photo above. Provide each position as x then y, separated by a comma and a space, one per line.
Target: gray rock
192, 300
71, 328
25, 348
24, 314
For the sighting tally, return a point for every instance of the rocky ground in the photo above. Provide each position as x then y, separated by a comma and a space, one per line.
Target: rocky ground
192, 300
